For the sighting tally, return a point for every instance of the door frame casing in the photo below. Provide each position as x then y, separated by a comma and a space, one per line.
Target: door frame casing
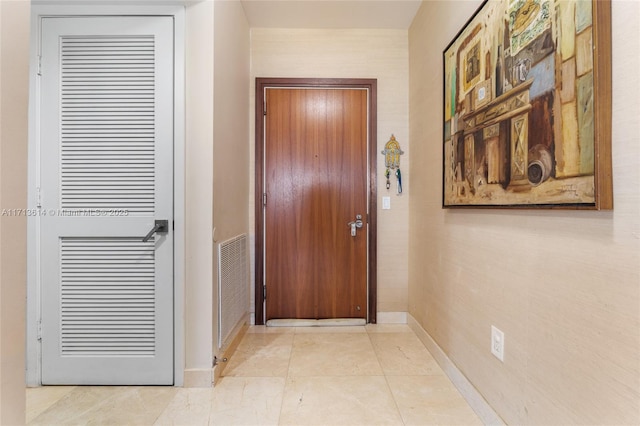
263, 83
63, 9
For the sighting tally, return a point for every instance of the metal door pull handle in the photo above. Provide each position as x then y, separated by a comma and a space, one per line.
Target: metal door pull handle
355, 225
160, 226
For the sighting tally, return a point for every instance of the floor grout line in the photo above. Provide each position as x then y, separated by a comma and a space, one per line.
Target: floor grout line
395, 402
286, 378
324, 386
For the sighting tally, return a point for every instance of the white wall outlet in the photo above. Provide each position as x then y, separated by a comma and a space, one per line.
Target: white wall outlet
497, 343
386, 203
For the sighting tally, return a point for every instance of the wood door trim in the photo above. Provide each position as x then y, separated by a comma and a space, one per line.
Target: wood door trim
331, 83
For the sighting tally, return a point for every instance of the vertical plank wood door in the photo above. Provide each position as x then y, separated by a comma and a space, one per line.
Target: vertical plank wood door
315, 184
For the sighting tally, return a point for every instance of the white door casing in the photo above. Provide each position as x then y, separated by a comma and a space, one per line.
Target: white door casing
106, 157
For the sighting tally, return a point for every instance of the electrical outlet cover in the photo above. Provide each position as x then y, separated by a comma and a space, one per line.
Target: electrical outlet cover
497, 343
386, 203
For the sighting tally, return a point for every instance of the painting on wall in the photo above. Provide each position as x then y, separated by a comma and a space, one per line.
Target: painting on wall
527, 106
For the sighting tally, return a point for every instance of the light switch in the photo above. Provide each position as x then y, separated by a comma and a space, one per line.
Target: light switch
386, 203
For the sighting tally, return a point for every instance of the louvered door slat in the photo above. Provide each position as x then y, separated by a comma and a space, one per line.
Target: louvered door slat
84, 153
107, 175
134, 260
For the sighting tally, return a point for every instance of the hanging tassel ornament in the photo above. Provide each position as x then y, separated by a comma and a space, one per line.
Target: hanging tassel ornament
399, 179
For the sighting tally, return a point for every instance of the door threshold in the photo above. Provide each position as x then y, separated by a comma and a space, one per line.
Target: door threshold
329, 322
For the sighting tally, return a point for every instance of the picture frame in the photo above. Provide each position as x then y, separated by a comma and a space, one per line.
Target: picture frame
527, 107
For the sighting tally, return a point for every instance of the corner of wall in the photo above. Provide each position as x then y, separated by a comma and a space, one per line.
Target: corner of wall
199, 128
14, 95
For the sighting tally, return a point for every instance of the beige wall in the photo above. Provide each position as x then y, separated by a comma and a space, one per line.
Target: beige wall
380, 54
217, 165
14, 84
199, 280
564, 286
231, 128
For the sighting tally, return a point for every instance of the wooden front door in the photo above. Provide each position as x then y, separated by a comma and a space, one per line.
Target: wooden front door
315, 184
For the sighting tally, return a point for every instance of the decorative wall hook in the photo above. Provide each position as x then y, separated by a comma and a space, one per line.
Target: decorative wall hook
392, 153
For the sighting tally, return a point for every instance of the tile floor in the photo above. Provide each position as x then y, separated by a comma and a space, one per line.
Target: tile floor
373, 375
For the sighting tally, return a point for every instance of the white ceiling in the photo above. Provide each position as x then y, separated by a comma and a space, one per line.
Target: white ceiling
380, 14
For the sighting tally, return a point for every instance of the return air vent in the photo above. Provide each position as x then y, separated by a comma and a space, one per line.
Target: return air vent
233, 286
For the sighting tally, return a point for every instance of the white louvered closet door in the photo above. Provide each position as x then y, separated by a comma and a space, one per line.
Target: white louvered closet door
106, 162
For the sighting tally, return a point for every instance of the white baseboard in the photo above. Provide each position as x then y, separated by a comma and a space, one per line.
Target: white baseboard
227, 352
327, 322
391, 317
479, 405
198, 378
382, 318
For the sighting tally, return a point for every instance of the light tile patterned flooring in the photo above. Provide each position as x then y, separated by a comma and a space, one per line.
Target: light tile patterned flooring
373, 375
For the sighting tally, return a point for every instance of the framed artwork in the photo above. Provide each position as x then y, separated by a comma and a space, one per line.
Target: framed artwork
527, 106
